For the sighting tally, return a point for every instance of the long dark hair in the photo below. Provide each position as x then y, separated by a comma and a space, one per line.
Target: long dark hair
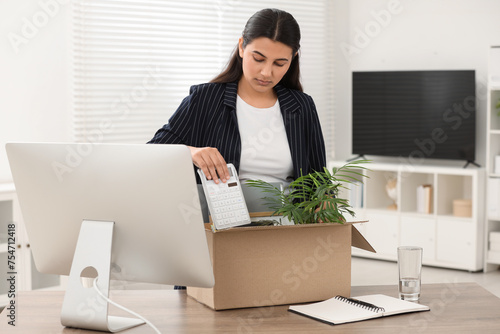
277, 25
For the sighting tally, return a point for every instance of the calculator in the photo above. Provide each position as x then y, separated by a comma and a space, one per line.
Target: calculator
225, 200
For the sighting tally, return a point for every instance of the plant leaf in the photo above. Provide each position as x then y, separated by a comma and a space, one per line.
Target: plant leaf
313, 197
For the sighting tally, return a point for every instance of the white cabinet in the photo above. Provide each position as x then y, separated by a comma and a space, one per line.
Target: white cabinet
492, 258
457, 246
18, 264
448, 241
383, 233
420, 231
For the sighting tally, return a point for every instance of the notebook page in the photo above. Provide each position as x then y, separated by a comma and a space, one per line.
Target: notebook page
335, 311
393, 305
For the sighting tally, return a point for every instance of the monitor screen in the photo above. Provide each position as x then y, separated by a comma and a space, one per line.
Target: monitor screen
423, 114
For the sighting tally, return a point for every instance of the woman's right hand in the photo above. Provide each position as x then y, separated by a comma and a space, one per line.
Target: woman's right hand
211, 163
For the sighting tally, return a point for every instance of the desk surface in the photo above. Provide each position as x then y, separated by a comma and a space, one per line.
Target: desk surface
455, 307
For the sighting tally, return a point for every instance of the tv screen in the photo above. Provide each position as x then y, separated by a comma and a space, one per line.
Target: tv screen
419, 114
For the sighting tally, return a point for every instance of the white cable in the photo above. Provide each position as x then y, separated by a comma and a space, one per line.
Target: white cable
124, 308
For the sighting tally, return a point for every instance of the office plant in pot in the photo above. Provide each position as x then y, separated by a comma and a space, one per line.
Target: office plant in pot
314, 197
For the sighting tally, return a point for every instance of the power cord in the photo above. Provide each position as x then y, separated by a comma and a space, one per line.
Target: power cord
124, 308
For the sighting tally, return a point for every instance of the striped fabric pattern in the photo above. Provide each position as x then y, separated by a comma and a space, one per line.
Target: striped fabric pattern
207, 118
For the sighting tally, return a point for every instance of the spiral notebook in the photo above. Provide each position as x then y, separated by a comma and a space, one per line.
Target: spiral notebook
339, 310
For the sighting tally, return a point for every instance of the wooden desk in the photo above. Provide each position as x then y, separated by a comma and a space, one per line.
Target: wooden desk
455, 307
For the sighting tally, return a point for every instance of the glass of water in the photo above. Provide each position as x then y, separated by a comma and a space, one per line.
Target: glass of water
410, 269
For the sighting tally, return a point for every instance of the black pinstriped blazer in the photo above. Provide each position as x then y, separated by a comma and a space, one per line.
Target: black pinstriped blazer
207, 117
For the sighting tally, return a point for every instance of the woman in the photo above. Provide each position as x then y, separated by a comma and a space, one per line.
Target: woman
253, 114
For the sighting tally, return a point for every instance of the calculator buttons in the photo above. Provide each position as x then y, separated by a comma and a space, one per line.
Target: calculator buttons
225, 201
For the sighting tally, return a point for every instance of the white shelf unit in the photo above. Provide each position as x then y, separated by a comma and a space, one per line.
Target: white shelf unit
27, 277
493, 149
448, 241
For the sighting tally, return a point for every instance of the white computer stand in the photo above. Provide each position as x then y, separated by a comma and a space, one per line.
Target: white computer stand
83, 307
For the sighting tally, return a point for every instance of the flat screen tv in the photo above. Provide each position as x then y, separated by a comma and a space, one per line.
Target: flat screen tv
419, 114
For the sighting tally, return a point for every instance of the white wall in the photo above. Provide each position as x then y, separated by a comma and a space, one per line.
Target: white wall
416, 35
34, 73
35, 95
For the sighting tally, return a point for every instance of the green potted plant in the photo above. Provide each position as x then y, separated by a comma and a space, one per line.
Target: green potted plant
498, 107
313, 198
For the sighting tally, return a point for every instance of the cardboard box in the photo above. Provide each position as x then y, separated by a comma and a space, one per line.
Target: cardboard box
277, 265
462, 208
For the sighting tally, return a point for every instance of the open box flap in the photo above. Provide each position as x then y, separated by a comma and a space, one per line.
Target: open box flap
358, 241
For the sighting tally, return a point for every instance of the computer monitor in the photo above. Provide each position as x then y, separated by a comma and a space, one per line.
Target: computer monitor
147, 194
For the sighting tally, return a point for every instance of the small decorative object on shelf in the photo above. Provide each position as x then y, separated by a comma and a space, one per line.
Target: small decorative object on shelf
392, 191
424, 198
462, 208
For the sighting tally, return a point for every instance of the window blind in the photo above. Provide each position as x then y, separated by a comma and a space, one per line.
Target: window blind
134, 61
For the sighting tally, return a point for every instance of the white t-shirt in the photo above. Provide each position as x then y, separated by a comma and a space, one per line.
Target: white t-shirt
265, 153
